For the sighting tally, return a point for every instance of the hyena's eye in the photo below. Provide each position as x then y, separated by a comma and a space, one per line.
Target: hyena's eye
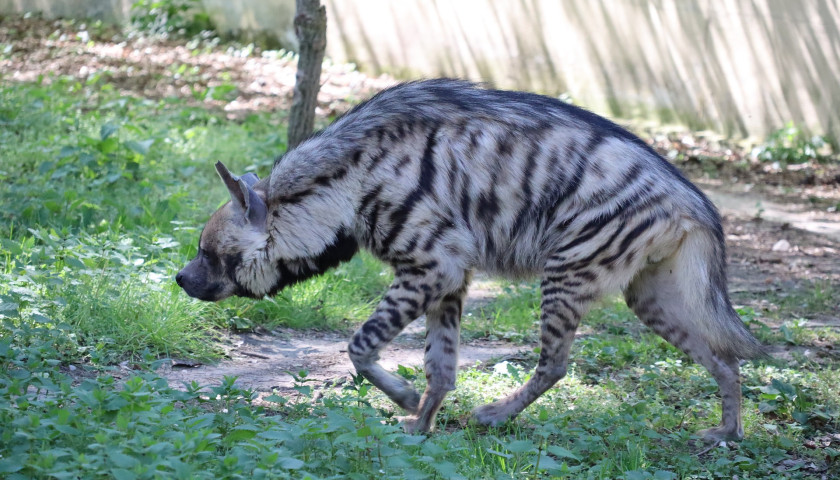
208, 257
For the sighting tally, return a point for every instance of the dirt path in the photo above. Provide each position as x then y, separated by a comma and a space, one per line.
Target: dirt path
775, 245
262, 362
795, 215
159, 69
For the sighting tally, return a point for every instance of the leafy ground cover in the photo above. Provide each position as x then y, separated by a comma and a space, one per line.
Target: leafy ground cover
106, 180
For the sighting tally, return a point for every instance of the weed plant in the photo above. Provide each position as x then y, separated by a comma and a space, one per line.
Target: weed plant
632, 424
791, 145
167, 18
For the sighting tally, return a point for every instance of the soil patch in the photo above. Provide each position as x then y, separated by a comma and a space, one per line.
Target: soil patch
197, 71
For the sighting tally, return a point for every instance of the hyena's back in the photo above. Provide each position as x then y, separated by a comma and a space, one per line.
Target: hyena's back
500, 180
440, 178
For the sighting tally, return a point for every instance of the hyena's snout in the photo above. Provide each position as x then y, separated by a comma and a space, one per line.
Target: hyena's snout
187, 281
198, 285
181, 280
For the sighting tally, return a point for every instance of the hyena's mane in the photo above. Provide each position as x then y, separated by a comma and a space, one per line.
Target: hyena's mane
452, 101
442, 101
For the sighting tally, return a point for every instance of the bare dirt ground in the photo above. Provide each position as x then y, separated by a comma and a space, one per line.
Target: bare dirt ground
782, 225
263, 362
787, 247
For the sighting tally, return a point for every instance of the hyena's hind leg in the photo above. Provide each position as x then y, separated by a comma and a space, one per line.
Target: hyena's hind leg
680, 299
566, 296
414, 291
443, 322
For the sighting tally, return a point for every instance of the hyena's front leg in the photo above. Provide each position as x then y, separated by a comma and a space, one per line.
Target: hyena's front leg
443, 324
415, 290
564, 300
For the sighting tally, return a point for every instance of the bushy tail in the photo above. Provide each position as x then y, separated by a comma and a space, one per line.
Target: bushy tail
700, 263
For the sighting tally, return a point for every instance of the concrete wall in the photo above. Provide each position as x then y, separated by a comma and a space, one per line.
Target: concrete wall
741, 67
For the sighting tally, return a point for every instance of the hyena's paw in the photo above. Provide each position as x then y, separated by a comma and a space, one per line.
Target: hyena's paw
493, 414
398, 389
408, 399
412, 425
720, 434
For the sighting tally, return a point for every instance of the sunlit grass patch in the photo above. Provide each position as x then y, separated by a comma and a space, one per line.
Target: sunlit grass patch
514, 314
120, 318
77, 155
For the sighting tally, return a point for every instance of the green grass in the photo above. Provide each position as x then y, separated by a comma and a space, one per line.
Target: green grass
810, 298
103, 198
633, 423
787, 316
626, 383
125, 319
340, 299
513, 314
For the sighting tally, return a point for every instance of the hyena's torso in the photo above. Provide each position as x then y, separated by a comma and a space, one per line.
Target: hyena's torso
484, 183
440, 178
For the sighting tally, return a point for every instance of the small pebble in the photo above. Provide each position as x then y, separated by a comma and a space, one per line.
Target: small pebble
781, 246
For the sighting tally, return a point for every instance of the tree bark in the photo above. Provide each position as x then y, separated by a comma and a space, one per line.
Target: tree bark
311, 30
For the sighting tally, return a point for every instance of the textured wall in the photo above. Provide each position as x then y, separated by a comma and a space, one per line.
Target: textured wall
742, 67
737, 66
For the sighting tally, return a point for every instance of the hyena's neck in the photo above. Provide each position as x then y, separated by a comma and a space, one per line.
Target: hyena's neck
291, 272
312, 197
368, 182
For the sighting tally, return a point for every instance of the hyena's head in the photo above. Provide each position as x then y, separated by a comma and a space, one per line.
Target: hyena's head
231, 258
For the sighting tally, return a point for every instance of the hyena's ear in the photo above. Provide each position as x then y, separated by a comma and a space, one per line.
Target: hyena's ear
249, 178
243, 197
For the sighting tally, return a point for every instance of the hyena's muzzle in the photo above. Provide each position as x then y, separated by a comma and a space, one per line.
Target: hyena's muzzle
204, 280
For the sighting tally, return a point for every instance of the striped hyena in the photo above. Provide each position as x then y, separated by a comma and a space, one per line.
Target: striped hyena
440, 178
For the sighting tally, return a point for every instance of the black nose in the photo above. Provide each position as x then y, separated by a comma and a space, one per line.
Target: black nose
179, 278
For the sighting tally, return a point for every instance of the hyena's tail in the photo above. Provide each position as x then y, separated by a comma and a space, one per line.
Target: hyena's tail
684, 298
702, 258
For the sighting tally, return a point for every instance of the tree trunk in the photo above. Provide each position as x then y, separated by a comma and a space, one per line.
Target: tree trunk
311, 30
